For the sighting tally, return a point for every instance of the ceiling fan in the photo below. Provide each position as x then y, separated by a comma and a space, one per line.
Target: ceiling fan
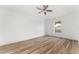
44, 9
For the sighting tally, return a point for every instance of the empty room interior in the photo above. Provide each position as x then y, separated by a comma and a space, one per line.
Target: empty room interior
39, 29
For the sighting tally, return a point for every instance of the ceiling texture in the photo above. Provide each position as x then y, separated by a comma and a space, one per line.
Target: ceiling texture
58, 10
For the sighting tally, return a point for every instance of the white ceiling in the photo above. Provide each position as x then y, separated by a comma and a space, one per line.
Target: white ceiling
58, 10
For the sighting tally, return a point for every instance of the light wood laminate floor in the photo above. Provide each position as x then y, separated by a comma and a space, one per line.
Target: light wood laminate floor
42, 45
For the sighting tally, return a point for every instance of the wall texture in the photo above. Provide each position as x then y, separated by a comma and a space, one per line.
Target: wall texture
16, 25
70, 25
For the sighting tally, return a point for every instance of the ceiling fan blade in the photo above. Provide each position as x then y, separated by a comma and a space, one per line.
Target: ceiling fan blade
38, 8
49, 10
45, 13
45, 7
40, 12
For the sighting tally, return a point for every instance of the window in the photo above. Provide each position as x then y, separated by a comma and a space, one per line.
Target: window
57, 26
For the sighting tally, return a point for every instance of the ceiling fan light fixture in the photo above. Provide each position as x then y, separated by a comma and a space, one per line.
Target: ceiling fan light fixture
44, 9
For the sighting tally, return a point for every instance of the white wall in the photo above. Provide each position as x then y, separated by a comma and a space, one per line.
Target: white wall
18, 25
70, 25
